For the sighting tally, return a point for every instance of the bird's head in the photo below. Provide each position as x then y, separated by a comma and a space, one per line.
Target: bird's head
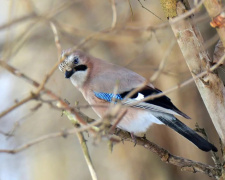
75, 67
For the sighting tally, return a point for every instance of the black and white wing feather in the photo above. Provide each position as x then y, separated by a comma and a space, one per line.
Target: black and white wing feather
163, 109
162, 104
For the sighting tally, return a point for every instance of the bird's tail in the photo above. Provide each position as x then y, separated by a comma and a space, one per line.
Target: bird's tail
188, 133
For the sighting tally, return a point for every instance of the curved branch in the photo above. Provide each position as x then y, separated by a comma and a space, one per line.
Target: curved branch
185, 164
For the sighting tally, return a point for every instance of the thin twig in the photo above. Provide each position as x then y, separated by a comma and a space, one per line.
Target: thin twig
182, 84
117, 121
87, 155
17, 73
18, 20
6, 133
187, 13
132, 13
22, 38
162, 63
45, 15
41, 86
57, 41
38, 140
114, 16
149, 10
25, 100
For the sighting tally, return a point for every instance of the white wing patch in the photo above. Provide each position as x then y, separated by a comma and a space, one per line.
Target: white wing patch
139, 97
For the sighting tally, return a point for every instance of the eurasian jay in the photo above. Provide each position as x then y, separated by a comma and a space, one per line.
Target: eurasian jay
96, 80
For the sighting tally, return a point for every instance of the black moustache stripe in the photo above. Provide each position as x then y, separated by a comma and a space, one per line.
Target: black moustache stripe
80, 68
68, 74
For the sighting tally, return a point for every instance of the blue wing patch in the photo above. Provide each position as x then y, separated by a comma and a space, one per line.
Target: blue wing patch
108, 96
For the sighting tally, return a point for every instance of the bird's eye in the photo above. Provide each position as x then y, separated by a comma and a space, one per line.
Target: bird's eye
76, 60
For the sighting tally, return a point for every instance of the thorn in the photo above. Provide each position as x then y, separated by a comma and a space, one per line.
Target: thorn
206, 83
122, 140
64, 133
87, 133
62, 113
110, 145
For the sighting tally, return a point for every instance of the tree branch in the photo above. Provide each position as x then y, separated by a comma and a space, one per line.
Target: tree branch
87, 155
184, 164
215, 12
209, 86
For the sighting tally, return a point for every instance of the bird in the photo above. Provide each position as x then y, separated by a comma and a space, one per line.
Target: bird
96, 79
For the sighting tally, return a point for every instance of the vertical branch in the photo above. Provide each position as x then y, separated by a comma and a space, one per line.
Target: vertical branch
83, 144
87, 155
114, 15
214, 10
162, 63
210, 86
56, 37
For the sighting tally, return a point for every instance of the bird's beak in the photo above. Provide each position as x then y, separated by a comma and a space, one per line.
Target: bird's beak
68, 74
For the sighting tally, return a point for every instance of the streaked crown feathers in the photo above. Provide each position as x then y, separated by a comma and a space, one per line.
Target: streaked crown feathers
70, 61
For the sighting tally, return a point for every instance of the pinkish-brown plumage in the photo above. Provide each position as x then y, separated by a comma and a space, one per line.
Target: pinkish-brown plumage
96, 79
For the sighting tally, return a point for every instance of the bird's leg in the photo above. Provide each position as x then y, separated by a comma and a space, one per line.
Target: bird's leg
144, 137
133, 138
117, 131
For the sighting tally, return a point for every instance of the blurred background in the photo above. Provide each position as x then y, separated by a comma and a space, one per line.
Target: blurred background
27, 43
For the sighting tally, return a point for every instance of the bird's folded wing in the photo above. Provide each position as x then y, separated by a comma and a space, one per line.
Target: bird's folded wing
161, 104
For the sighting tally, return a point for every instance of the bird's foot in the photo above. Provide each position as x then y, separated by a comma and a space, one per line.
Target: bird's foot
117, 131
144, 137
133, 138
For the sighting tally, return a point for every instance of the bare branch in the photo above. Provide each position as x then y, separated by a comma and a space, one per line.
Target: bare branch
165, 156
149, 10
215, 11
25, 100
132, 13
162, 63
184, 164
38, 140
210, 86
18, 20
87, 155
114, 16
57, 42
41, 87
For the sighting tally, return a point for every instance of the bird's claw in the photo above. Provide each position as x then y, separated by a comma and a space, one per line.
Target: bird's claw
134, 138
